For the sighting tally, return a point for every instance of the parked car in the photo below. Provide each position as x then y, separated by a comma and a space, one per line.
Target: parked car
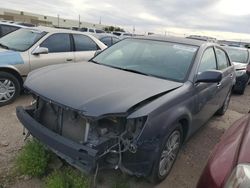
240, 58
204, 38
27, 49
229, 164
132, 106
6, 28
122, 35
91, 30
107, 39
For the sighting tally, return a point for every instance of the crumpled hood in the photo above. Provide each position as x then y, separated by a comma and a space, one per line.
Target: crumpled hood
95, 89
9, 57
239, 66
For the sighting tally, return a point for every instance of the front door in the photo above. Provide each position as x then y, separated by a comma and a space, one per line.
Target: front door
60, 51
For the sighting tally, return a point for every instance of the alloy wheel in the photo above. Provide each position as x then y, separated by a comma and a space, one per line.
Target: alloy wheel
7, 90
169, 153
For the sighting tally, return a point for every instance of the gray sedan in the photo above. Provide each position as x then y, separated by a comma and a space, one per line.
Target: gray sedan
132, 106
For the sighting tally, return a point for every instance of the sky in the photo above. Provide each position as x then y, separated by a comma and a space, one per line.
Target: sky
224, 19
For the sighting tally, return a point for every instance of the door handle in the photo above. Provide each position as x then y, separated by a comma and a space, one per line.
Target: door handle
69, 59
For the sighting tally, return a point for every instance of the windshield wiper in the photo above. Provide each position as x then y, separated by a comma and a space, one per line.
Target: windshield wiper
4, 46
135, 71
93, 61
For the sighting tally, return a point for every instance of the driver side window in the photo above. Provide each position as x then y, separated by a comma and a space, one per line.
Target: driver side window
59, 42
208, 61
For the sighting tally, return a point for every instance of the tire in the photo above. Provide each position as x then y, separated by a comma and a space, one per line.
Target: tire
241, 91
225, 105
9, 88
159, 173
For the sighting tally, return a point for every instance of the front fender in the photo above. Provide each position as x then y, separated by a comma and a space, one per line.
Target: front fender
10, 67
162, 125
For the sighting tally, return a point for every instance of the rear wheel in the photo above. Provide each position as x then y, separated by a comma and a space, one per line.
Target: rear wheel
167, 156
9, 88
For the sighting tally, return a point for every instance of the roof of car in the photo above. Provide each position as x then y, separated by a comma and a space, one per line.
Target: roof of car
235, 47
101, 35
173, 39
12, 24
56, 30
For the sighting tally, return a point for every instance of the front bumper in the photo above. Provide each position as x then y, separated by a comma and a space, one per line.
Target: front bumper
80, 156
85, 158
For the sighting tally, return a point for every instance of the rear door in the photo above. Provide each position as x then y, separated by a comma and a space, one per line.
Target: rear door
60, 51
84, 47
224, 65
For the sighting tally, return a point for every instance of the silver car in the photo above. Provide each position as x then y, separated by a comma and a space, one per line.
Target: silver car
27, 49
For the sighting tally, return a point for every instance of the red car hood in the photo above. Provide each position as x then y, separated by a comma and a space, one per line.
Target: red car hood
230, 151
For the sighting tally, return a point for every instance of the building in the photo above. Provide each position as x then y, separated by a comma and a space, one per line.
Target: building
50, 21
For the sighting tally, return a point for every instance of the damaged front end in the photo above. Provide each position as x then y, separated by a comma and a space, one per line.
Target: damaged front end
85, 142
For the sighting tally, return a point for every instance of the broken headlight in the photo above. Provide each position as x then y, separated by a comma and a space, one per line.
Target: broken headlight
110, 125
135, 126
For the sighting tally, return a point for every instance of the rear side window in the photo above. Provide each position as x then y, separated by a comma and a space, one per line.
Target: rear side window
84, 43
107, 41
83, 29
115, 40
117, 34
57, 43
223, 62
99, 31
5, 29
208, 61
91, 30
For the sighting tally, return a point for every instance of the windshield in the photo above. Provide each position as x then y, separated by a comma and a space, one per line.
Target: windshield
154, 58
238, 55
21, 40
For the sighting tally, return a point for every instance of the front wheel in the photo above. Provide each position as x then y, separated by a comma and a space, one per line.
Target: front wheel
9, 88
167, 156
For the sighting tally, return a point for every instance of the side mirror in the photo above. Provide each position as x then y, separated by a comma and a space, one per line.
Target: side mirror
40, 50
97, 52
212, 76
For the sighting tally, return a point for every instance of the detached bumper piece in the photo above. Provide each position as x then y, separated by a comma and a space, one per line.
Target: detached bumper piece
80, 156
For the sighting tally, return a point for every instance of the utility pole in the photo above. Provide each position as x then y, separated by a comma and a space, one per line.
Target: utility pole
133, 29
100, 21
58, 20
79, 21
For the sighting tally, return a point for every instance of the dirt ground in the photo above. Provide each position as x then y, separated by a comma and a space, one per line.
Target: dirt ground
185, 173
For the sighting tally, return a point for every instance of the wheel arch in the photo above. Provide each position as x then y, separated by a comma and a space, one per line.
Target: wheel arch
14, 72
183, 117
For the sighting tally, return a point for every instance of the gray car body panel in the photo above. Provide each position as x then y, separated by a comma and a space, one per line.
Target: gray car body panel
131, 88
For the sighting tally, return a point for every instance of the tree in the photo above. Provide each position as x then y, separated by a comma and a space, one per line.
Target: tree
112, 28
